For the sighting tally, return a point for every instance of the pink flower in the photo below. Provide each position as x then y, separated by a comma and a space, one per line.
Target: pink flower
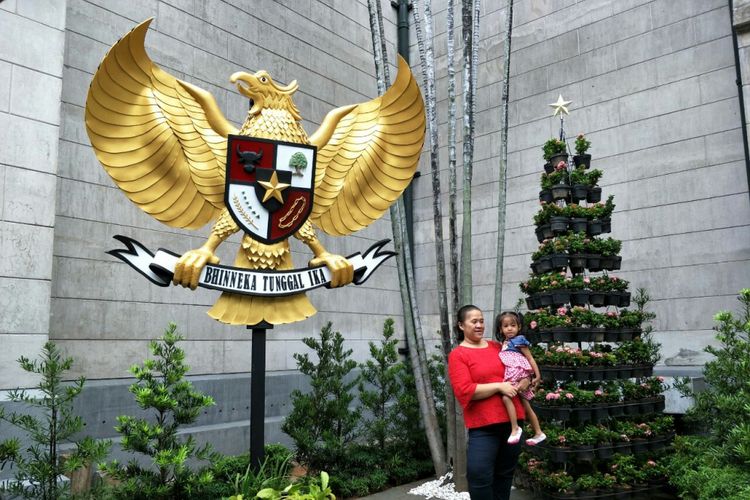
599, 392
651, 463
611, 314
533, 324
580, 135
569, 395
561, 438
587, 280
562, 311
560, 165
552, 395
660, 378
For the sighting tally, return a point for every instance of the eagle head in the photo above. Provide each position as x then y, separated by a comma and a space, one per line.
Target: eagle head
265, 93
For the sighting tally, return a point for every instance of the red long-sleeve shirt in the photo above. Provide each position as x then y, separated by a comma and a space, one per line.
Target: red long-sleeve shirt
468, 367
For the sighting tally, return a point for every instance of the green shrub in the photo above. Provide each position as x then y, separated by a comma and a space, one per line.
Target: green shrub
41, 464
321, 422
161, 388
716, 464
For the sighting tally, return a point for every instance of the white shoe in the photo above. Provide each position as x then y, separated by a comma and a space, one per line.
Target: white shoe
515, 437
536, 440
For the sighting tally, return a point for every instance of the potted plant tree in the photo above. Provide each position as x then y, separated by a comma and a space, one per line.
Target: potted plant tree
582, 158
554, 151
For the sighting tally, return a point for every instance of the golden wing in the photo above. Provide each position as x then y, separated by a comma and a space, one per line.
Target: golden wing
153, 134
370, 158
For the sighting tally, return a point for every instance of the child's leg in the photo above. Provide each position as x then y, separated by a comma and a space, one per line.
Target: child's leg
515, 430
531, 417
512, 417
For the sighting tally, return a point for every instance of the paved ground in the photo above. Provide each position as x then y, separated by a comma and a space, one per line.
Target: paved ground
402, 493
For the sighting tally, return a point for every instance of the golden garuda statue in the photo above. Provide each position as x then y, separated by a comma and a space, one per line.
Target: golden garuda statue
169, 148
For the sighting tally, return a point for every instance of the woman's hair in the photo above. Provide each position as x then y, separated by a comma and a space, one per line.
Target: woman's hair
499, 321
461, 317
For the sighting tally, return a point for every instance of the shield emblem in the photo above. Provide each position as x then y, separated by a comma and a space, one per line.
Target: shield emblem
269, 186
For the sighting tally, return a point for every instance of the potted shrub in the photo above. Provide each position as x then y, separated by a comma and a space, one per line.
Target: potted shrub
555, 151
582, 158
578, 218
593, 191
579, 184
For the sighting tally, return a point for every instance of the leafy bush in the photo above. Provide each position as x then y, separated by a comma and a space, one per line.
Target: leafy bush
716, 464
321, 422
161, 387
41, 466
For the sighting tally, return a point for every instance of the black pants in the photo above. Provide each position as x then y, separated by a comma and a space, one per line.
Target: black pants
490, 462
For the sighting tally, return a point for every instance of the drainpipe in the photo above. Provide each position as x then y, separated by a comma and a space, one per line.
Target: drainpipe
742, 25
403, 6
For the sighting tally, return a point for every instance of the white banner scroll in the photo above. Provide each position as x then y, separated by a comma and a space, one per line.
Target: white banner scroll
158, 269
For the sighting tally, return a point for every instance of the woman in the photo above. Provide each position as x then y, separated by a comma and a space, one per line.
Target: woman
476, 374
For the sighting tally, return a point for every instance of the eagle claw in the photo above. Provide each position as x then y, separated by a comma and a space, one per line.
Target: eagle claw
342, 271
188, 269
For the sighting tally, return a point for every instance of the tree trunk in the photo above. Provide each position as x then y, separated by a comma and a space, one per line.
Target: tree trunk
503, 170
470, 24
412, 322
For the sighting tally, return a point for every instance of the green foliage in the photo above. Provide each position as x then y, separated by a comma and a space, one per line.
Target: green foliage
717, 464
309, 489
160, 387
321, 422
298, 162
553, 147
382, 373
582, 144
273, 474
56, 423
395, 450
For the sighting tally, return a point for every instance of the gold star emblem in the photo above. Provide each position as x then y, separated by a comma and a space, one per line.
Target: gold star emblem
561, 106
273, 188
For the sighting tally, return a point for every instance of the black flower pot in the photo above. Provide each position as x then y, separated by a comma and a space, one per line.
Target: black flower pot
579, 297
624, 299
560, 297
577, 262
594, 262
606, 225
623, 448
579, 192
544, 232
596, 299
559, 260
564, 336
531, 303
594, 227
544, 264
616, 410
544, 299
616, 262
560, 454
554, 160
579, 224
611, 336
639, 446
604, 452
560, 192
607, 262
594, 194
600, 413
534, 267
610, 374
612, 299
583, 160
549, 168
558, 224
585, 452
545, 195
582, 415
631, 409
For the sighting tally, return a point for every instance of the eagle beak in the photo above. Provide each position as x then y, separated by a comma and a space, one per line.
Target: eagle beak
244, 82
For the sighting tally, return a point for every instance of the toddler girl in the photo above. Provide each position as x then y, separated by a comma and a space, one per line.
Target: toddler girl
519, 364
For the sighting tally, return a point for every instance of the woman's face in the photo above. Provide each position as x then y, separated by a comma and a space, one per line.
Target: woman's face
473, 326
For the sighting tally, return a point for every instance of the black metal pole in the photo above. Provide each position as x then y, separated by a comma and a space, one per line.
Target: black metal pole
258, 394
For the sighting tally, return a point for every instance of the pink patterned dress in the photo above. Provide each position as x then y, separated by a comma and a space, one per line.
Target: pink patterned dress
517, 367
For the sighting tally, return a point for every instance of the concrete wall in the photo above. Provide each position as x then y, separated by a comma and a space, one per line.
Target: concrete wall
31, 70
652, 85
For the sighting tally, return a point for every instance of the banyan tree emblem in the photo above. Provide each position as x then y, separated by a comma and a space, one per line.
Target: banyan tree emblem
169, 148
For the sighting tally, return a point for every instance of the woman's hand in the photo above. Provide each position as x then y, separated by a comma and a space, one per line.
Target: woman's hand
535, 382
523, 385
507, 389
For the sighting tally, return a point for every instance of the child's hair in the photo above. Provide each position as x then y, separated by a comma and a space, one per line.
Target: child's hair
499, 321
461, 316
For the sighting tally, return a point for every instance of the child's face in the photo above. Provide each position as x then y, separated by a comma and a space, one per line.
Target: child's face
509, 327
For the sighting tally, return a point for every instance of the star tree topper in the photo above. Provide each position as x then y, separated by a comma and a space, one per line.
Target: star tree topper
561, 106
